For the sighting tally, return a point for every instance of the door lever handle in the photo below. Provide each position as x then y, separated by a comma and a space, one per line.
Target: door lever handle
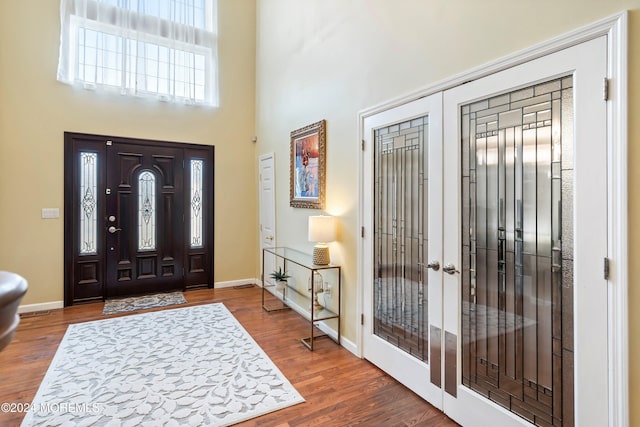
434, 265
112, 229
450, 269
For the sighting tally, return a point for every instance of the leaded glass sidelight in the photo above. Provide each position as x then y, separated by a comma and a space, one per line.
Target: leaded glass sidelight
517, 280
88, 203
146, 211
197, 169
400, 239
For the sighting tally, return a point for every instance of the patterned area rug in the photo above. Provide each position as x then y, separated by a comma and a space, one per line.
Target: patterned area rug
192, 366
123, 305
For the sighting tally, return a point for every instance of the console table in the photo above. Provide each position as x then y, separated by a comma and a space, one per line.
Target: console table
305, 304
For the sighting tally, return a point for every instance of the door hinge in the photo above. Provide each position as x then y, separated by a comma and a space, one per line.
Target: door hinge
362, 319
606, 268
363, 145
362, 232
605, 89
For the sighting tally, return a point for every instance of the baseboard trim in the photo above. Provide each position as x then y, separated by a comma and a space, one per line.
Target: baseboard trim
232, 283
44, 306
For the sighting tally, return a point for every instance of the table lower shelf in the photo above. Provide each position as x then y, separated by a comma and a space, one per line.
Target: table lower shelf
290, 299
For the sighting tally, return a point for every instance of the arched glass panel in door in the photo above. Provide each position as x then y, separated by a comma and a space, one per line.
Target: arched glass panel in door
147, 211
517, 275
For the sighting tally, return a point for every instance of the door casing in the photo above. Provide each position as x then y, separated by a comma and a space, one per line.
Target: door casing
267, 209
615, 28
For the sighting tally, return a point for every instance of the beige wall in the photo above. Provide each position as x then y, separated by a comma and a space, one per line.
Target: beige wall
35, 110
330, 59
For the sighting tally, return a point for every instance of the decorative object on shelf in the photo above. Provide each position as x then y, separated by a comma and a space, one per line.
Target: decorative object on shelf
307, 171
322, 230
307, 303
318, 288
280, 277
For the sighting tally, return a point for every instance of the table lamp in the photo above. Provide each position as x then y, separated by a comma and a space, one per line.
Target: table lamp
322, 230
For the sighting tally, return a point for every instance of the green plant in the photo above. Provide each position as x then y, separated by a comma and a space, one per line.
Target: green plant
279, 275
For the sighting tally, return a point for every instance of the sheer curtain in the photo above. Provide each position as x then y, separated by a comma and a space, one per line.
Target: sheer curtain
165, 49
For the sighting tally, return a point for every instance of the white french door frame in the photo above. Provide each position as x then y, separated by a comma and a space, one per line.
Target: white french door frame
616, 29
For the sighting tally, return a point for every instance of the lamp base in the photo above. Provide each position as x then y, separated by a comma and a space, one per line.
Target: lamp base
321, 255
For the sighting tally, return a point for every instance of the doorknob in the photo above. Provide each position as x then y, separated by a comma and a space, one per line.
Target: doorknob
434, 265
269, 237
450, 269
112, 229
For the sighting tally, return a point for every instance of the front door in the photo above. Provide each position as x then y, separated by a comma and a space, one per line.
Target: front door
484, 244
145, 211
138, 217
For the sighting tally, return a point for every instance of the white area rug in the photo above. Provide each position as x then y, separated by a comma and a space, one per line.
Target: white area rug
192, 366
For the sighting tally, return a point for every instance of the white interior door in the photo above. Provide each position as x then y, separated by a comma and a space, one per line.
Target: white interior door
267, 210
509, 196
403, 167
525, 223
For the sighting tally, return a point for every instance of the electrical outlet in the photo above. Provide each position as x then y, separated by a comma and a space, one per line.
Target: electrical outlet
50, 213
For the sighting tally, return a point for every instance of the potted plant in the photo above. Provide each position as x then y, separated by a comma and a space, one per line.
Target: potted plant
280, 277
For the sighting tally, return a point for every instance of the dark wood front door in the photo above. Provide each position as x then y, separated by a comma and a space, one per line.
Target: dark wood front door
144, 219
138, 216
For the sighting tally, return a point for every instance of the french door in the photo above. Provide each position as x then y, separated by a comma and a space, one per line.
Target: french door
404, 171
138, 216
512, 199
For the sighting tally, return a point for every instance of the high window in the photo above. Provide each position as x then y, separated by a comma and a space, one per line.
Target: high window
165, 49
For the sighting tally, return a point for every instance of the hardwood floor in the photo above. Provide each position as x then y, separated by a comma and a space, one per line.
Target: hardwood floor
340, 389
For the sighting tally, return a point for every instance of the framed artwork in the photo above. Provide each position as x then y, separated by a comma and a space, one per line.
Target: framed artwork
307, 171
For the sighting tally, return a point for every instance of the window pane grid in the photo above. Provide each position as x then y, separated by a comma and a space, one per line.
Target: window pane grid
185, 12
160, 48
149, 68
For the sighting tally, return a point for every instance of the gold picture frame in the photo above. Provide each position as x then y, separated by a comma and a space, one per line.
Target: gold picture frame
307, 170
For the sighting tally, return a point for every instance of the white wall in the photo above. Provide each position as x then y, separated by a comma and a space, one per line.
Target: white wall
330, 59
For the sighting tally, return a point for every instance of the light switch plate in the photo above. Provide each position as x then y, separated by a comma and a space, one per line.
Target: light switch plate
48, 213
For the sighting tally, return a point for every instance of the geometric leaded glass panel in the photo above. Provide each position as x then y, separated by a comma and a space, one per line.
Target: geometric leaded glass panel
197, 238
400, 235
88, 203
146, 211
517, 250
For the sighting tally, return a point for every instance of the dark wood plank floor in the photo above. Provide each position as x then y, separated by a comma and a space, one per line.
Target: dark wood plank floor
340, 389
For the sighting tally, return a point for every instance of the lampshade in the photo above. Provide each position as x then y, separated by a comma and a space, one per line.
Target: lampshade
322, 228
